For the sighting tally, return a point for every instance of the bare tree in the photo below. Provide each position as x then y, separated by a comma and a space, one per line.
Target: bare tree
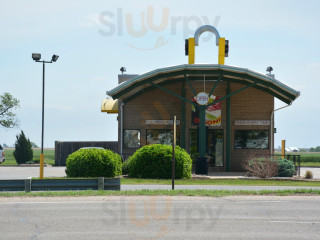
258, 165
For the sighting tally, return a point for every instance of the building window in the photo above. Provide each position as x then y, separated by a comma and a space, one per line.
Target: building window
131, 138
161, 136
251, 139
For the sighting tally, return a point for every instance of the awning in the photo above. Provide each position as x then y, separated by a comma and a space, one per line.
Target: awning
109, 106
140, 84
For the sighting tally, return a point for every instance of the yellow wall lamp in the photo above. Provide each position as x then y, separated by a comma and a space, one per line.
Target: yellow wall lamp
192, 42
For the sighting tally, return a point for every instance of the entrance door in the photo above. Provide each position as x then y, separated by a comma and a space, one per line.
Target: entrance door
214, 147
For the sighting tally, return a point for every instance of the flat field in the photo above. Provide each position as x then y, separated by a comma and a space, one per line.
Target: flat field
48, 156
308, 159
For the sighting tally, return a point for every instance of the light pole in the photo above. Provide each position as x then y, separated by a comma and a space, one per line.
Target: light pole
36, 57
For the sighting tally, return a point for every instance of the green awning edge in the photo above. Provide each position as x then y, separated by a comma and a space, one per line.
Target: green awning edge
265, 82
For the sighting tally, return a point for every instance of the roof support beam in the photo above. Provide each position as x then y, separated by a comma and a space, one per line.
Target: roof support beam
231, 94
190, 85
215, 85
172, 93
228, 128
137, 94
183, 117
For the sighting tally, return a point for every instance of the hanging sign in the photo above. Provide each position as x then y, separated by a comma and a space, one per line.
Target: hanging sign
202, 98
213, 112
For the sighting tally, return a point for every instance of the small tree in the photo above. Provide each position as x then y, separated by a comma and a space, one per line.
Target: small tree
34, 145
23, 151
7, 116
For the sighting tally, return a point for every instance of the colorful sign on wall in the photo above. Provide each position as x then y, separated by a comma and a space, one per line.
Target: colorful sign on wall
213, 113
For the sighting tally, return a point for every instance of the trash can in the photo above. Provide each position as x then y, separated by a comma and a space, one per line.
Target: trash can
201, 166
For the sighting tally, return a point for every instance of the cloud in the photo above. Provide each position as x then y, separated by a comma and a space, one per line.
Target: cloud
65, 108
314, 67
91, 20
100, 79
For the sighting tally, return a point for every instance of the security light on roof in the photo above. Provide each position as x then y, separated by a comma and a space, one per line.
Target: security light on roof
36, 56
269, 69
123, 69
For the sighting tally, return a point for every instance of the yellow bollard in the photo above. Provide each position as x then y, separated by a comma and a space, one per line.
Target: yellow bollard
41, 165
283, 148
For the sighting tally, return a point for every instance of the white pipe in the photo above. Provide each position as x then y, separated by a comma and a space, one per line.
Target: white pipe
121, 130
272, 130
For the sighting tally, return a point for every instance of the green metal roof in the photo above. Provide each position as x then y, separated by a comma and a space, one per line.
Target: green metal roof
172, 74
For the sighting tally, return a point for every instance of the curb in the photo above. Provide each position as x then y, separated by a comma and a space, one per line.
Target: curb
26, 165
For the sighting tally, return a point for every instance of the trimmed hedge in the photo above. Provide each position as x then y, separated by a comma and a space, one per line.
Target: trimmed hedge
93, 163
155, 161
286, 168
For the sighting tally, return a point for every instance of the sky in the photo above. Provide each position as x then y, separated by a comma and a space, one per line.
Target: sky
94, 39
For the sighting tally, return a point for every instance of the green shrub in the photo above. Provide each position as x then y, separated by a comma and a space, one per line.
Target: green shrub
269, 167
286, 168
23, 151
93, 163
125, 167
155, 161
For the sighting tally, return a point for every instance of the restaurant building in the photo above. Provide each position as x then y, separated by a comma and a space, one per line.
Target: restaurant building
223, 113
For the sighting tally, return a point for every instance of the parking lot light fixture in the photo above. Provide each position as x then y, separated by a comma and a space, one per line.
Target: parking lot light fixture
54, 58
37, 57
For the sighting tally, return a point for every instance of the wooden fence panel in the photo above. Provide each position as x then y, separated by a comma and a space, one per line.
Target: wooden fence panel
63, 149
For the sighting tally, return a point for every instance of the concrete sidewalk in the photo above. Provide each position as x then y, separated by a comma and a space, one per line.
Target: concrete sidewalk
23, 172
217, 175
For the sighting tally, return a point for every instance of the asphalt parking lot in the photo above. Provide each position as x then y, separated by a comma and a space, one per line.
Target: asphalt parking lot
17, 172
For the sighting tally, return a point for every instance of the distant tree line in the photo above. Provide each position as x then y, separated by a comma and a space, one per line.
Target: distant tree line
315, 149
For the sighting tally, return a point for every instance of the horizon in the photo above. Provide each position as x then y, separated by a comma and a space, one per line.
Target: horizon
95, 39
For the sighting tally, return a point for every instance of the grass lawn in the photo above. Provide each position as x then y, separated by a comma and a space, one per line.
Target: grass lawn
249, 182
204, 193
48, 156
310, 164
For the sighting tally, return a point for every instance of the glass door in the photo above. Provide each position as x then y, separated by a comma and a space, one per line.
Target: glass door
214, 146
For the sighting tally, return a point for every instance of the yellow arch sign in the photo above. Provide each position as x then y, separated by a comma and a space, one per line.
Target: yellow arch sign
220, 42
